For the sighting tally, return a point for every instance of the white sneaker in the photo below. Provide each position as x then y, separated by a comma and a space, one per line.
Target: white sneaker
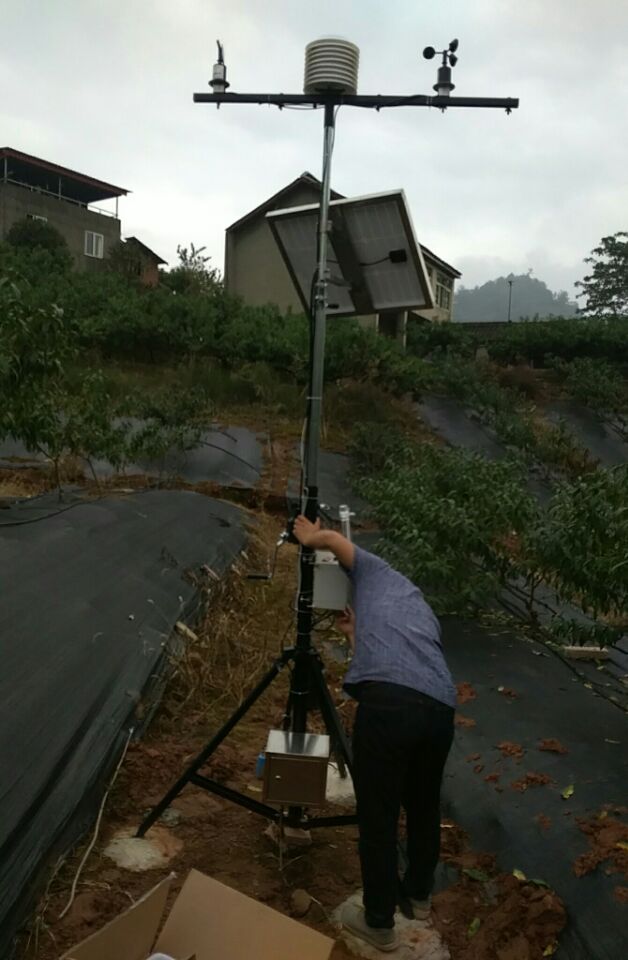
354, 921
421, 908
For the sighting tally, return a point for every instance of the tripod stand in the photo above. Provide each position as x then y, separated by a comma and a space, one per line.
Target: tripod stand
307, 677
309, 664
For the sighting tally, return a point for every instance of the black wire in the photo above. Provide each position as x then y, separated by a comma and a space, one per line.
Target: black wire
373, 263
205, 443
366, 263
46, 516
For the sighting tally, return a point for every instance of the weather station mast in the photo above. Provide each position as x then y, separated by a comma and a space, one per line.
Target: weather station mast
330, 82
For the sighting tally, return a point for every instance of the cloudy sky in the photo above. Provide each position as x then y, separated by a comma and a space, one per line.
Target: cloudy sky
106, 88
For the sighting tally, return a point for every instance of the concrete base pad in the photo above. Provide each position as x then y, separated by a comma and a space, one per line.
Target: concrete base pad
339, 789
419, 940
137, 854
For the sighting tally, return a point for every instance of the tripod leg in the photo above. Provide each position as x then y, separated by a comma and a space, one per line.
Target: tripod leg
337, 732
213, 745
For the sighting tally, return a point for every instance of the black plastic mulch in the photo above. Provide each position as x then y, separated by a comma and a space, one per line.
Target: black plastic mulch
549, 702
226, 457
454, 423
600, 439
90, 594
459, 427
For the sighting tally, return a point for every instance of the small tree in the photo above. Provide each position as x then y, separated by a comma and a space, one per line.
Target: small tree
44, 401
192, 275
38, 235
606, 287
123, 259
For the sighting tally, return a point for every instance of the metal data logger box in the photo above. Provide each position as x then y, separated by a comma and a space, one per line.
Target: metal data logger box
295, 768
332, 589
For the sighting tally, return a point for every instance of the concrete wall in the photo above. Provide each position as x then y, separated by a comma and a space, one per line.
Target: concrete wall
149, 273
254, 267
394, 325
438, 314
69, 219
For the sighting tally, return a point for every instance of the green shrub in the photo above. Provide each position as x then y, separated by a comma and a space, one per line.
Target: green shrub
596, 383
425, 338
581, 546
450, 517
569, 338
30, 235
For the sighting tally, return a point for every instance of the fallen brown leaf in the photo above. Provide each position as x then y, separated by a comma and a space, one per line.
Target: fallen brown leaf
552, 745
530, 780
510, 749
464, 721
465, 692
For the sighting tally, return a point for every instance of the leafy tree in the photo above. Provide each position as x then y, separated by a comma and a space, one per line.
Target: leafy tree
596, 383
581, 543
530, 298
59, 410
38, 235
540, 343
453, 521
42, 403
125, 260
606, 287
192, 275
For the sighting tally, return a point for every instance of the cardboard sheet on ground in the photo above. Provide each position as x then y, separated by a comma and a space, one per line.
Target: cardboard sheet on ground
208, 921
90, 593
540, 698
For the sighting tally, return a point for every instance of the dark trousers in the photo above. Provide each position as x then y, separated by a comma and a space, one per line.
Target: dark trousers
401, 740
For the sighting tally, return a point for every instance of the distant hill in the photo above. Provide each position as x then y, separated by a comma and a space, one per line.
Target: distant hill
530, 298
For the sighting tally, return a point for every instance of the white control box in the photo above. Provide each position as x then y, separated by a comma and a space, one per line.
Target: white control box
332, 587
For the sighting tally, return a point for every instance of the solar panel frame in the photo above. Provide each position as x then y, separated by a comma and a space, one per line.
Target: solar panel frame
390, 286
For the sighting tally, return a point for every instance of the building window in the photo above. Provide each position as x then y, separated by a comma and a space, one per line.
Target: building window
443, 291
36, 216
94, 244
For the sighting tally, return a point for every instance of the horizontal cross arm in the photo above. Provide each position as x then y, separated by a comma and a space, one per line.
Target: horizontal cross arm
357, 100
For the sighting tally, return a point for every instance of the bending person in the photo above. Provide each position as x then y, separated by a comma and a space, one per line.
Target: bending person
402, 734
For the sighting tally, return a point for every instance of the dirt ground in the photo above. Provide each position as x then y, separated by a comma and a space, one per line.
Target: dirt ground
512, 920
481, 915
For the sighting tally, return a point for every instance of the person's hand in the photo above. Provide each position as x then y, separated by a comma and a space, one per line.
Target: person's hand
345, 622
305, 531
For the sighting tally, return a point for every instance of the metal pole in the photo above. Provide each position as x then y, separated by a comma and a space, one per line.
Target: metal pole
510, 283
301, 676
320, 309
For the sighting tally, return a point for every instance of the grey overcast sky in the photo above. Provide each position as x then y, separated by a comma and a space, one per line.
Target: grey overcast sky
106, 89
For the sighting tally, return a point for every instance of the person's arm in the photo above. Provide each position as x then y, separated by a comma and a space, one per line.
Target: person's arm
311, 535
345, 622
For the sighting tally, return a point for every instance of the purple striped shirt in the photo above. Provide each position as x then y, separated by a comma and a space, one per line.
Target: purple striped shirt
397, 634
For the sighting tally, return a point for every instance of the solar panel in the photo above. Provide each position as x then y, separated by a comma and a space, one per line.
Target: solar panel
375, 262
